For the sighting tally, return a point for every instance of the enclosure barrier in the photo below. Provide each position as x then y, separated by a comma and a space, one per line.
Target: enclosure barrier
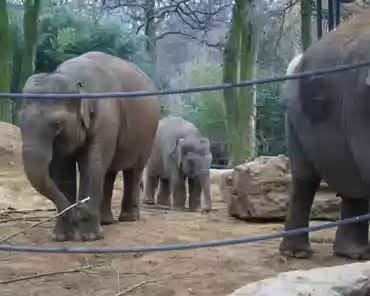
9, 248
189, 90
247, 240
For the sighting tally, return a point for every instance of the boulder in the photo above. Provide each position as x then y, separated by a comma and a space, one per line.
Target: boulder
345, 280
10, 146
259, 190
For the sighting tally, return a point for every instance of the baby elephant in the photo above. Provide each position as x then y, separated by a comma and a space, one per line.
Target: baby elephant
180, 152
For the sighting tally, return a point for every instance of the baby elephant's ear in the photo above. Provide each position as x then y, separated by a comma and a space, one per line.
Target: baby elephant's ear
205, 142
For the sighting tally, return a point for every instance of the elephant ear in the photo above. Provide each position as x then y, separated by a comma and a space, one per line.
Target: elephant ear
85, 107
179, 151
206, 143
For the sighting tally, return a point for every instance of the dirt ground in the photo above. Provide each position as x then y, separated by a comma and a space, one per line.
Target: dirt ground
211, 271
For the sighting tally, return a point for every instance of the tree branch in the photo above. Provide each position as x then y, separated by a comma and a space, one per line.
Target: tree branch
161, 36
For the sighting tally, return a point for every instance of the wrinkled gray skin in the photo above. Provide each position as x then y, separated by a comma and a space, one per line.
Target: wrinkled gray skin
179, 152
328, 138
102, 137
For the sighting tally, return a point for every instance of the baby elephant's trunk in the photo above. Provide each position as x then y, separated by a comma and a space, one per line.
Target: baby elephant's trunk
36, 166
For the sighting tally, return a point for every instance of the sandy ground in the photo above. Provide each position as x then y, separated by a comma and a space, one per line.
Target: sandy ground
211, 271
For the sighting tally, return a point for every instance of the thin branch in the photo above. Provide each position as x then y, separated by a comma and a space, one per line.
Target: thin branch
38, 218
25, 211
45, 274
153, 281
219, 9
218, 45
283, 10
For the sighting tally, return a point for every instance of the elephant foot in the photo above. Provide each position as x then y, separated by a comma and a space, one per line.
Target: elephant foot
106, 218
352, 252
64, 229
148, 201
352, 240
90, 231
205, 210
194, 207
295, 248
92, 236
60, 234
88, 225
129, 216
163, 202
178, 208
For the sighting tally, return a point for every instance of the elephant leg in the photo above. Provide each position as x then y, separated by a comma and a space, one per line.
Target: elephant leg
163, 197
298, 215
178, 191
63, 172
92, 179
106, 216
151, 182
305, 182
352, 240
130, 210
195, 191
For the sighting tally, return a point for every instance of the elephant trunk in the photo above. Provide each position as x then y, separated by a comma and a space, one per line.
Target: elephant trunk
36, 162
206, 187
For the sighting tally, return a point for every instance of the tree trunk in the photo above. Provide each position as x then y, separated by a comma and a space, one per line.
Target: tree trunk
306, 11
230, 75
240, 57
150, 33
5, 61
16, 71
30, 31
248, 69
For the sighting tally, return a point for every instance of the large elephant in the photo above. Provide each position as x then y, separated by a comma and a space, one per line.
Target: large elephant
101, 136
179, 152
328, 137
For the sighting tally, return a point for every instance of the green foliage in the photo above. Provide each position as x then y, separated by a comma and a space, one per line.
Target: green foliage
270, 120
66, 34
206, 110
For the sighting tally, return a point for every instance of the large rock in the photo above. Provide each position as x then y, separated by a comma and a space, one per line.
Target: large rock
259, 190
10, 146
345, 280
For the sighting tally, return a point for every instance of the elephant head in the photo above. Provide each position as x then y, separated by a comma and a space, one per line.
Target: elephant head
51, 128
194, 161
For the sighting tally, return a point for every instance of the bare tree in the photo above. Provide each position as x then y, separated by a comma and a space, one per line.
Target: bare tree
156, 19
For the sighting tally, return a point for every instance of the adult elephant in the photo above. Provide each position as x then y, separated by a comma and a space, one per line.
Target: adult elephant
328, 137
179, 152
103, 136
